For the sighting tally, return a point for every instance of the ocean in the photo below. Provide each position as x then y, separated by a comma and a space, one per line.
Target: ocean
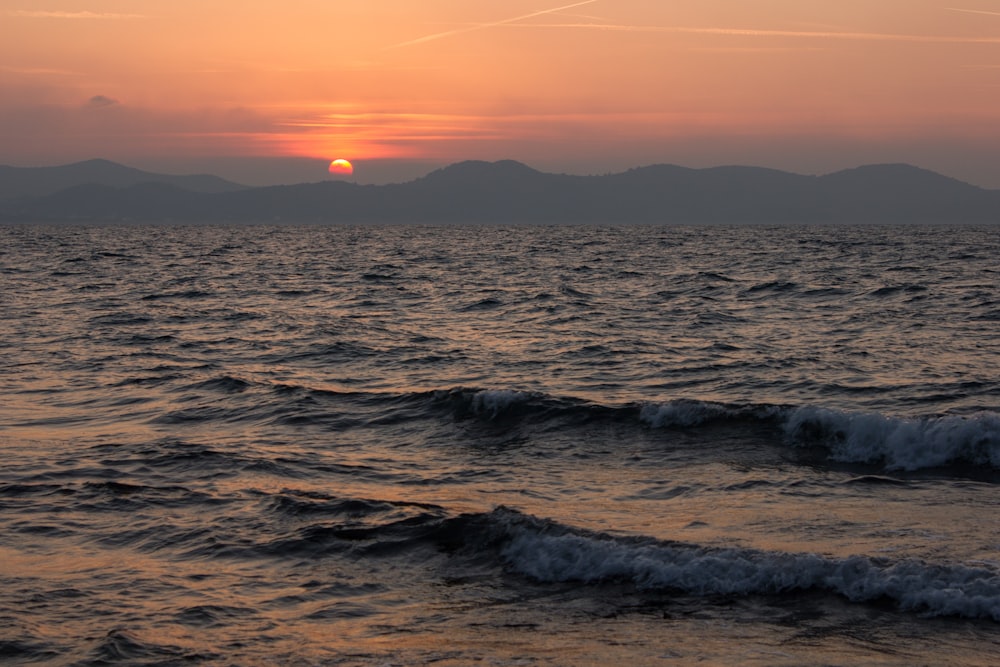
499, 445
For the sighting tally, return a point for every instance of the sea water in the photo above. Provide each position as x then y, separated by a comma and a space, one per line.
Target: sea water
504, 445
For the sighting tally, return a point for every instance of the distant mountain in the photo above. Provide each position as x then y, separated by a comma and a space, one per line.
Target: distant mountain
508, 191
41, 181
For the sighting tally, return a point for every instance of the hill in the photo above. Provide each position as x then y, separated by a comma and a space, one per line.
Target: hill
511, 192
18, 182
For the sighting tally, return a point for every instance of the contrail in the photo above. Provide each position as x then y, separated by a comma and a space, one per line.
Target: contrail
972, 11
755, 32
32, 14
481, 26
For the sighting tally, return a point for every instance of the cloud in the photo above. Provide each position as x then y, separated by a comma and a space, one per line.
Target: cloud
754, 32
972, 11
50, 14
30, 132
37, 71
483, 26
101, 101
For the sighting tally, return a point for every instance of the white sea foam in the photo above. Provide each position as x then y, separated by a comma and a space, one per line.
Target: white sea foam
687, 412
902, 444
492, 402
855, 437
682, 413
559, 556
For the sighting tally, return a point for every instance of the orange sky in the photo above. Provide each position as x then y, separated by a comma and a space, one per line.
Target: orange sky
582, 87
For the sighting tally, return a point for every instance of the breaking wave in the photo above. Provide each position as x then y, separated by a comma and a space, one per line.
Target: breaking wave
896, 443
899, 444
549, 552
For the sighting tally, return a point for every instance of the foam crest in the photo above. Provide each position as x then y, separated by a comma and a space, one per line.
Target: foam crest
901, 444
682, 413
688, 412
550, 553
493, 402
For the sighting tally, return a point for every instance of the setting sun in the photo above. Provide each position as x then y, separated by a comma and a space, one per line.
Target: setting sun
341, 167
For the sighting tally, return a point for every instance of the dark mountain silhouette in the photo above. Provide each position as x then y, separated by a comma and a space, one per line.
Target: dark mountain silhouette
509, 191
41, 181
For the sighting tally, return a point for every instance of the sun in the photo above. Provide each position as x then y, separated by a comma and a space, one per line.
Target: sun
341, 167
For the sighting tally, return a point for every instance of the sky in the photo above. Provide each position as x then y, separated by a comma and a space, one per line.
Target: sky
270, 92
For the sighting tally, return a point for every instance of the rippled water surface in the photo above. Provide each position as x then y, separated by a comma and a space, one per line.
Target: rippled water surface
499, 445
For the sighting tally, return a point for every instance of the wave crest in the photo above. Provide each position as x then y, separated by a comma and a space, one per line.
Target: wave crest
548, 552
901, 444
687, 412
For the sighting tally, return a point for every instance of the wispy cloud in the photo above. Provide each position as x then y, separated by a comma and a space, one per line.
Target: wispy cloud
390, 126
47, 14
101, 101
972, 11
483, 26
754, 32
37, 71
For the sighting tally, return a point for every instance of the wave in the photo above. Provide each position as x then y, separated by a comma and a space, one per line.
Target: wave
849, 437
899, 444
895, 443
548, 552
688, 412
294, 525
508, 542
119, 647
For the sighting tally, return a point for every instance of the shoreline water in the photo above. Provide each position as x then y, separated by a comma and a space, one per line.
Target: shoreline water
562, 445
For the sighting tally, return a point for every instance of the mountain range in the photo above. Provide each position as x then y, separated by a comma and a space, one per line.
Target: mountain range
42, 181
502, 192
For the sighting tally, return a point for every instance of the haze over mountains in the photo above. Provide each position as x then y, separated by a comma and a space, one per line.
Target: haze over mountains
41, 181
502, 192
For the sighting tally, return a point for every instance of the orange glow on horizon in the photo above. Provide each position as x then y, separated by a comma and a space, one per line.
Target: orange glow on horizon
574, 82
